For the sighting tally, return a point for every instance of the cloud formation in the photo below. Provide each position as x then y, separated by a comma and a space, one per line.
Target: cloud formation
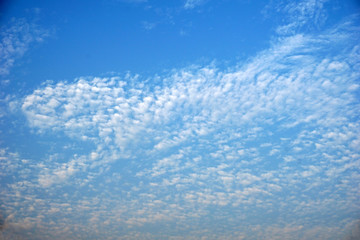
190, 4
299, 15
266, 149
15, 40
277, 136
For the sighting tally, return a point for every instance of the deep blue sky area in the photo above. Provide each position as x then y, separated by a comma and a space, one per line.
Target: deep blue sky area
184, 119
104, 36
93, 37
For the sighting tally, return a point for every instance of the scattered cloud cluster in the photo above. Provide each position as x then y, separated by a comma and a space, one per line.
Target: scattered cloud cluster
15, 40
300, 14
267, 149
190, 4
276, 137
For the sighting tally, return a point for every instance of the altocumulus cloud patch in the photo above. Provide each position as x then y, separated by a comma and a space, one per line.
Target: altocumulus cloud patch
267, 149
15, 41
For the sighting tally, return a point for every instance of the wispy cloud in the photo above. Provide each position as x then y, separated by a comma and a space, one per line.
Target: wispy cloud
148, 25
190, 4
15, 39
299, 15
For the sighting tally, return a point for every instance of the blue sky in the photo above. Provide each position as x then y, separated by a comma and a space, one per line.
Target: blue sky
188, 119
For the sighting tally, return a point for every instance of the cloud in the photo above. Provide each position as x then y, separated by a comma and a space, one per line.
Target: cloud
190, 4
278, 94
200, 139
354, 230
148, 25
15, 39
298, 15
265, 148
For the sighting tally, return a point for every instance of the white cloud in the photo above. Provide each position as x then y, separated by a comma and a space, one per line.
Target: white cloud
190, 4
258, 140
148, 25
15, 40
298, 15
197, 104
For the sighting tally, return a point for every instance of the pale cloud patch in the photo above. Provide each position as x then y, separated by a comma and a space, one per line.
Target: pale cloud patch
300, 14
190, 4
148, 25
15, 40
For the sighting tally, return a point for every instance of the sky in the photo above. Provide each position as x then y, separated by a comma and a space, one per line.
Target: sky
183, 119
